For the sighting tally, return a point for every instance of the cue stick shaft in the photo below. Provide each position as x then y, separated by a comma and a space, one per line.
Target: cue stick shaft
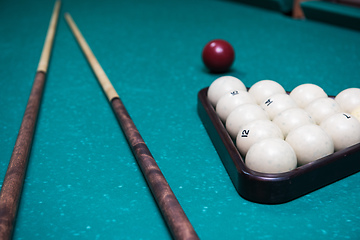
176, 219
49, 40
14, 178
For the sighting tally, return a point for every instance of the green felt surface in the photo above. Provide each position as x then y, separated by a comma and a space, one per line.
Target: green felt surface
284, 6
332, 13
83, 181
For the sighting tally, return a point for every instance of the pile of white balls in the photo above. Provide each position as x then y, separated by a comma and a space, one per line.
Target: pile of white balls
276, 131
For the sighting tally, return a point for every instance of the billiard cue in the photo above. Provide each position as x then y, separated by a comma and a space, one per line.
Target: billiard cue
177, 222
14, 178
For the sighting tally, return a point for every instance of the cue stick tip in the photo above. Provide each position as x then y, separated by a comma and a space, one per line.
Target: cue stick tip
68, 18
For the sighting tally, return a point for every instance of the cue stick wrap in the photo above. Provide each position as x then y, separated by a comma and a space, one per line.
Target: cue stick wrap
14, 178
12, 186
95, 65
174, 215
176, 219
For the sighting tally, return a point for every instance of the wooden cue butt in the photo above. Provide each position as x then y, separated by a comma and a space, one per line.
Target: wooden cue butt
12, 186
179, 225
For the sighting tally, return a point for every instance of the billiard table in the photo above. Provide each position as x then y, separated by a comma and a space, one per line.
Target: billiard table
83, 182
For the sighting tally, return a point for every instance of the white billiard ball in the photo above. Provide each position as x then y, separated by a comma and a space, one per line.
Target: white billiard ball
277, 103
223, 85
307, 93
230, 101
310, 142
356, 113
348, 99
254, 132
272, 155
323, 108
264, 89
344, 130
242, 115
291, 119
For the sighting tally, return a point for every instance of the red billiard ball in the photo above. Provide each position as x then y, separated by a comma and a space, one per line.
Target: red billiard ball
218, 56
